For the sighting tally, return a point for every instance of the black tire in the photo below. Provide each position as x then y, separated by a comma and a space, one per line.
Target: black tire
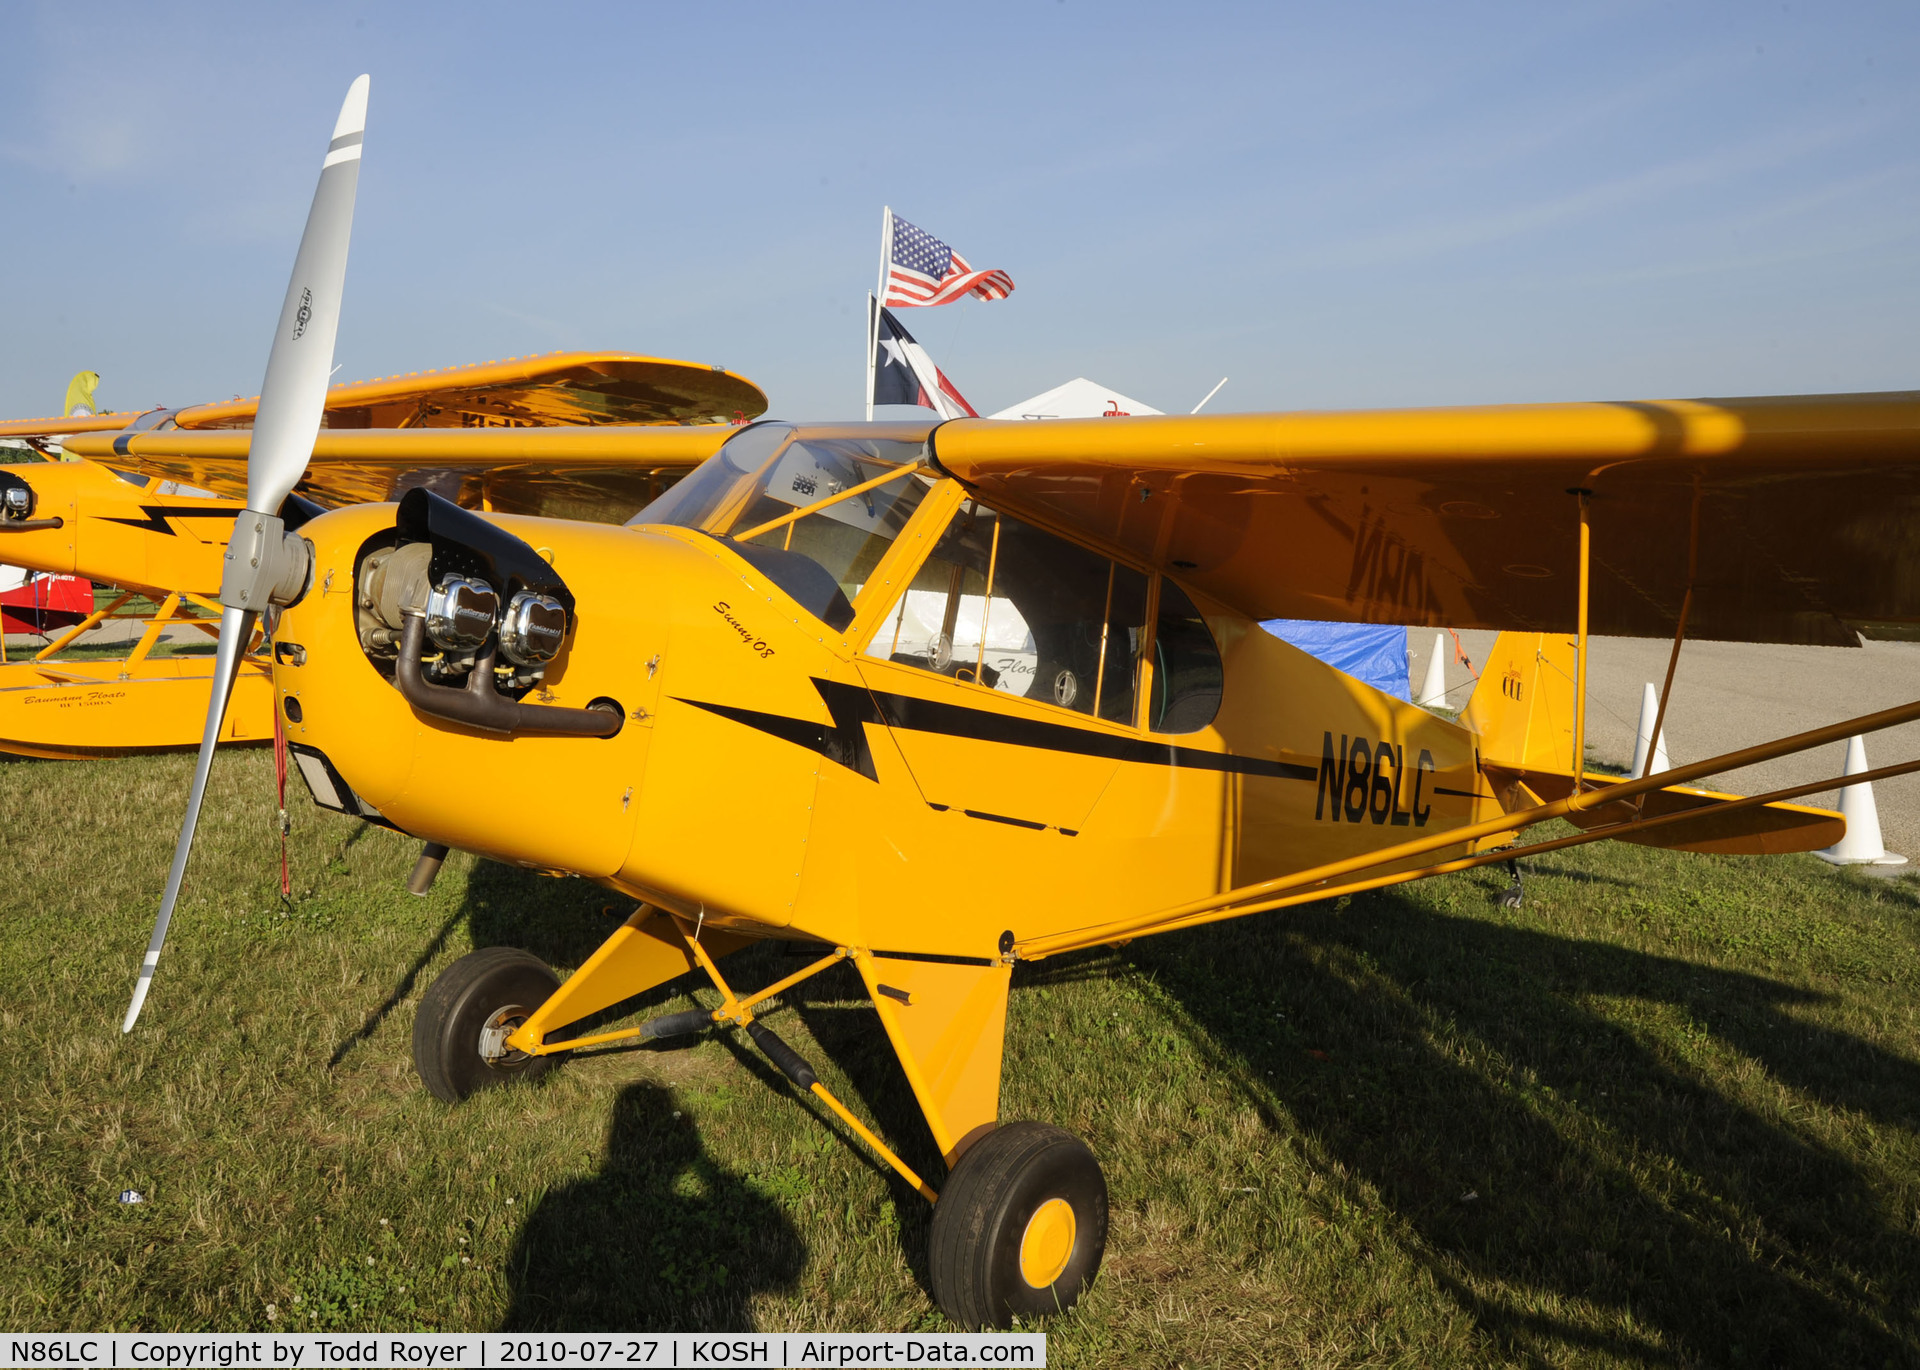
497, 986
999, 1225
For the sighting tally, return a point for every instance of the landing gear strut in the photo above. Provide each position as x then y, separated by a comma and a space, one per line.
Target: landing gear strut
1509, 897
1018, 1232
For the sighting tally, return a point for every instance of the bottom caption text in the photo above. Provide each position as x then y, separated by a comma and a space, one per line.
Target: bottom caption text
488, 1351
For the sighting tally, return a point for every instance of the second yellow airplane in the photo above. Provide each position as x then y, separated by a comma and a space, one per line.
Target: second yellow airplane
161, 541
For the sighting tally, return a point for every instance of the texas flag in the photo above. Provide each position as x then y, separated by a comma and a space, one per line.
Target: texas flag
903, 373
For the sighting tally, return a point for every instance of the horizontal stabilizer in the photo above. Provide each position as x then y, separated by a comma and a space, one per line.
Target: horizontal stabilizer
1760, 830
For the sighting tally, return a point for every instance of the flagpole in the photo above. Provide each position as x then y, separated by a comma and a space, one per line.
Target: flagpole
879, 293
873, 345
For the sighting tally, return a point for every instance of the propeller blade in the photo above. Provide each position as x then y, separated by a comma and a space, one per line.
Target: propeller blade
294, 392
292, 397
236, 627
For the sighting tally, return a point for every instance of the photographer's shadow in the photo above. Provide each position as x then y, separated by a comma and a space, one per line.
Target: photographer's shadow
662, 1239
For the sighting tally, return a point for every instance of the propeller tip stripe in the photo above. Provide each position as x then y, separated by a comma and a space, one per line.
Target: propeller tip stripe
139, 1000
353, 114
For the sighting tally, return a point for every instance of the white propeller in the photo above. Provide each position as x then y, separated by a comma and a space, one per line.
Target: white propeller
265, 565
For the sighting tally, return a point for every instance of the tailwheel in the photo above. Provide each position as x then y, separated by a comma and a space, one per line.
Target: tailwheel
466, 1015
1020, 1228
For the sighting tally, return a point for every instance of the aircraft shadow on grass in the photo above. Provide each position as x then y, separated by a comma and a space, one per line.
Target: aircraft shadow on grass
1765, 1247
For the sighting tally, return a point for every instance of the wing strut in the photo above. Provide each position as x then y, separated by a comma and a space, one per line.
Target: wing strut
1680, 625
1512, 855
1316, 882
1579, 767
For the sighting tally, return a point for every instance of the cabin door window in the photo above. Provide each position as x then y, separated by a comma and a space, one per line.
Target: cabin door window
1002, 604
1005, 634
1187, 674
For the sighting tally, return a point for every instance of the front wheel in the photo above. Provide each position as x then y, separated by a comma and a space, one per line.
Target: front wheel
466, 1016
1020, 1228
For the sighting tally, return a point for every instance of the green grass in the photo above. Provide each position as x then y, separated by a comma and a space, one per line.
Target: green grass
1665, 1113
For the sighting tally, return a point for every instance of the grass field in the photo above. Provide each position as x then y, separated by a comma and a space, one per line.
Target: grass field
1665, 1113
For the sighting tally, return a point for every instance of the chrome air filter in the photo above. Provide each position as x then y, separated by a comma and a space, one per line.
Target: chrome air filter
533, 628
460, 613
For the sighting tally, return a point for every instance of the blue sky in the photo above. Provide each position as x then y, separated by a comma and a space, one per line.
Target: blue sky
1336, 205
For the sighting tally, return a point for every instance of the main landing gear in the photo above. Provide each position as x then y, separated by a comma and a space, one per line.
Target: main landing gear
466, 1016
1018, 1233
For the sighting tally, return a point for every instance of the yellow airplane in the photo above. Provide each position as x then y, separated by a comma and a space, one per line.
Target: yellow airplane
151, 539
947, 698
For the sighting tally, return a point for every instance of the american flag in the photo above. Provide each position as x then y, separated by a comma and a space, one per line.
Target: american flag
923, 270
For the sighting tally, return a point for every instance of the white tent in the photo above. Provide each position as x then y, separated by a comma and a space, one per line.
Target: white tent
1077, 399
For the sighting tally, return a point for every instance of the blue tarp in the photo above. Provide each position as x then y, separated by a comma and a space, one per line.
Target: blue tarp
1377, 656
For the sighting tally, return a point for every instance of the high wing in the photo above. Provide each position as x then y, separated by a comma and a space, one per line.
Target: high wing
60, 425
596, 474
558, 388
1794, 518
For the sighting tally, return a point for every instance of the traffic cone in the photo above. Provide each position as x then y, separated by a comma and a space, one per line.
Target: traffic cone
1433, 690
1862, 845
1649, 714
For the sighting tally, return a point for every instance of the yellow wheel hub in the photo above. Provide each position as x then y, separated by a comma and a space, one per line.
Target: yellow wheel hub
1047, 1244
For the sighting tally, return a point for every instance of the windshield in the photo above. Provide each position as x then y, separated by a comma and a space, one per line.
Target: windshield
692, 502
773, 470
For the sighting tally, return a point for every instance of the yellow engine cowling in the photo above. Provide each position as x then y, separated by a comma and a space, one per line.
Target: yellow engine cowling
705, 817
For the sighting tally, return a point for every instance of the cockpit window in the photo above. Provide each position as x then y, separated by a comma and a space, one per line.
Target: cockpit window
1187, 675
849, 536
1008, 606
771, 471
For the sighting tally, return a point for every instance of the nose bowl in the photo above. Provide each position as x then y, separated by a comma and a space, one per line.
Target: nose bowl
18, 504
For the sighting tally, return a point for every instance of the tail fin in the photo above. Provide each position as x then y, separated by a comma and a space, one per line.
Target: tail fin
1522, 708
1522, 712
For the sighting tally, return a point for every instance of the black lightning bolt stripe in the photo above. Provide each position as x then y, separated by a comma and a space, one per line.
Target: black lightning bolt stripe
852, 708
845, 741
957, 720
158, 514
